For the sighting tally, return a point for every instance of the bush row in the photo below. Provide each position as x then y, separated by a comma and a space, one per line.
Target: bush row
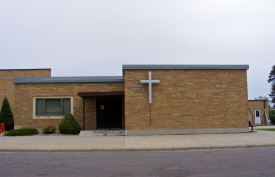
22, 132
68, 125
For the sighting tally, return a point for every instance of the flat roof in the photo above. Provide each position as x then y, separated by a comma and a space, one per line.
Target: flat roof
90, 79
257, 100
139, 67
25, 69
29, 80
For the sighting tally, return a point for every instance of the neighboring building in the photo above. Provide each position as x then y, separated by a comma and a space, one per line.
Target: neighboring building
184, 99
257, 113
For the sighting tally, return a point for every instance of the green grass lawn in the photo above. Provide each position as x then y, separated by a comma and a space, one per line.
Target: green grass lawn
270, 129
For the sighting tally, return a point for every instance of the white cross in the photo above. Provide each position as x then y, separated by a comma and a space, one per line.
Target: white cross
150, 82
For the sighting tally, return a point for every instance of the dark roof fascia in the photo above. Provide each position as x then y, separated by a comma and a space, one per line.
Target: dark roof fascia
95, 94
94, 79
153, 67
257, 100
25, 69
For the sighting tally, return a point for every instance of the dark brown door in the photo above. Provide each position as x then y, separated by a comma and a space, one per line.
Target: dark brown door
109, 113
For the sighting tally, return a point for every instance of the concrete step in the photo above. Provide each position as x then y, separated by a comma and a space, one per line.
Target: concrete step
102, 133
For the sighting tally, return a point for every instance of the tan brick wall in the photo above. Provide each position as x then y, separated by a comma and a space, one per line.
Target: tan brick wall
184, 99
187, 99
24, 94
90, 113
257, 104
7, 87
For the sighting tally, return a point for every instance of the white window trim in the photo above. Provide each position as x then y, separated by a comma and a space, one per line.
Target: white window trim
51, 117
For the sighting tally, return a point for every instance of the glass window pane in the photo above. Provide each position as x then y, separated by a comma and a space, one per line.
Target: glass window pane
39, 107
53, 106
257, 113
66, 106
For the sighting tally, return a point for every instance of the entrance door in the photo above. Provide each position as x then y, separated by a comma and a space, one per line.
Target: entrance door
109, 113
257, 116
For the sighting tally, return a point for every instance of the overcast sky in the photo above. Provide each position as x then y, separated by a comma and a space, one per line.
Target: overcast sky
95, 38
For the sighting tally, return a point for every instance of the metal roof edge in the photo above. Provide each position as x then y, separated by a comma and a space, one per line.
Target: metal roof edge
258, 100
25, 69
21, 80
140, 67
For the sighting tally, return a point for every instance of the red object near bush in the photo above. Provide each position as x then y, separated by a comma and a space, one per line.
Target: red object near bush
2, 127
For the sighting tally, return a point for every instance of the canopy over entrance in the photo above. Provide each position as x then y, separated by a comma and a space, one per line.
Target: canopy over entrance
107, 111
95, 94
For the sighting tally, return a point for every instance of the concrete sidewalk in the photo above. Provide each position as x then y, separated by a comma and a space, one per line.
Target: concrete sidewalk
67, 143
264, 127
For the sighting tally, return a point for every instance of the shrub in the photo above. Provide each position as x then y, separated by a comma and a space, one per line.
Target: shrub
22, 132
49, 130
69, 125
6, 115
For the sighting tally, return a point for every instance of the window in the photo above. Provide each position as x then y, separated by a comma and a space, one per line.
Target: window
52, 106
257, 113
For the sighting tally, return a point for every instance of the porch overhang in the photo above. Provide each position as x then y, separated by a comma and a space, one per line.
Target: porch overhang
96, 94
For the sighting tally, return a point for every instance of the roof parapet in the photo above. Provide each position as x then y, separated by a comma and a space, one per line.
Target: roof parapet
29, 80
140, 67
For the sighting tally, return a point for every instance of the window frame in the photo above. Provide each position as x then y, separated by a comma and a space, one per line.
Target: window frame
44, 116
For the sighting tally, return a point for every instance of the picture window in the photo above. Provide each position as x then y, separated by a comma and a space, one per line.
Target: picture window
52, 106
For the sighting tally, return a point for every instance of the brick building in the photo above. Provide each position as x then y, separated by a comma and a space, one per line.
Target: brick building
146, 99
257, 112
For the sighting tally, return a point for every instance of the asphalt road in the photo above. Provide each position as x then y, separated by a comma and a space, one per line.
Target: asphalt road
214, 163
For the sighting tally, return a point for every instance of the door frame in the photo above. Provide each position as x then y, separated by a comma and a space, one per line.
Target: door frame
257, 117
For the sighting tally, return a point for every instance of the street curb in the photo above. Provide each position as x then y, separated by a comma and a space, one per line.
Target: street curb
202, 148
